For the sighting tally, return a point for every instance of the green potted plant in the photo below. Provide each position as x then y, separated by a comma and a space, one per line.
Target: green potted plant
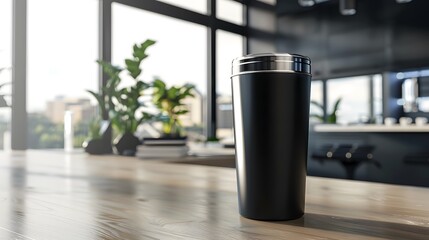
127, 113
124, 105
332, 117
101, 142
169, 101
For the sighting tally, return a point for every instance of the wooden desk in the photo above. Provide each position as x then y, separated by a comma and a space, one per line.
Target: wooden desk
52, 195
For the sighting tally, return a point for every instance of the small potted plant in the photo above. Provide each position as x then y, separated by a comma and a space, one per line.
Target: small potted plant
125, 107
101, 142
169, 101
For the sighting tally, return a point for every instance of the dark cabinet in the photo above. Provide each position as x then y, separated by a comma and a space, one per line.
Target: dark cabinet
396, 157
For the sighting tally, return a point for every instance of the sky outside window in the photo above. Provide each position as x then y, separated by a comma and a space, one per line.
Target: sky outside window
354, 92
230, 11
5, 64
230, 46
62, 50
5, 47
179, 55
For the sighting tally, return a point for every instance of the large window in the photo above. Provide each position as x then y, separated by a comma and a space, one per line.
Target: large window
63, 43
5, 70
356, 94
229, 46
178, 57
62, 49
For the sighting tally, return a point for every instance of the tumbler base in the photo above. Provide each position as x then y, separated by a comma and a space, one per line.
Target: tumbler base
273, 218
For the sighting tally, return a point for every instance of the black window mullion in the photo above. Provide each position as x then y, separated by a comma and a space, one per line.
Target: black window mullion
246, 16
168, 10
186, 15
325, 100
211, 72
105, 40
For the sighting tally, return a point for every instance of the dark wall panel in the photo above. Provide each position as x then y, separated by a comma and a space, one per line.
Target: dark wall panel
382, 36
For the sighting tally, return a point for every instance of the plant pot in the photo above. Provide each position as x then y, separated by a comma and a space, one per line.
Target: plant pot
126, 144
101, 145
97, 146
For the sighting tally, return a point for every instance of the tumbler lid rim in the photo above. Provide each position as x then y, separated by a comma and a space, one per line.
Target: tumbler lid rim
276, 62
277, 55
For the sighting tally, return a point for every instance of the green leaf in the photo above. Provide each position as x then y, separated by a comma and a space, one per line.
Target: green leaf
320, 117
132, 64
116, 121
336, 105
159, 84
181, 112
172, 92
109, 69
140, 86
140, 50
96, 96
133, 68
187, 91
100, 101
332, 118
317, 105
139, 54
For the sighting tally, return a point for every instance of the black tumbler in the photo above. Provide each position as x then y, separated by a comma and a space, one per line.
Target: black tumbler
271, 98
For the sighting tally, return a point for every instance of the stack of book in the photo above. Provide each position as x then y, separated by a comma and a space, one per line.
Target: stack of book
162, 148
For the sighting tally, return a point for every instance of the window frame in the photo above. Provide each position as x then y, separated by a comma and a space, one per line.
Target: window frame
210, 21
19, 51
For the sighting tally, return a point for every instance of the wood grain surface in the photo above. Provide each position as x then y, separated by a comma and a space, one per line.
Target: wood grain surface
53, 195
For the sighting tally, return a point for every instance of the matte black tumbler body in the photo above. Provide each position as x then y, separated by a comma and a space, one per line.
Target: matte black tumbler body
271, 98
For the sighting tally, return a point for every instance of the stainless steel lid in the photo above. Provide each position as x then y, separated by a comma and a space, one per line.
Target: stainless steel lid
271, 62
